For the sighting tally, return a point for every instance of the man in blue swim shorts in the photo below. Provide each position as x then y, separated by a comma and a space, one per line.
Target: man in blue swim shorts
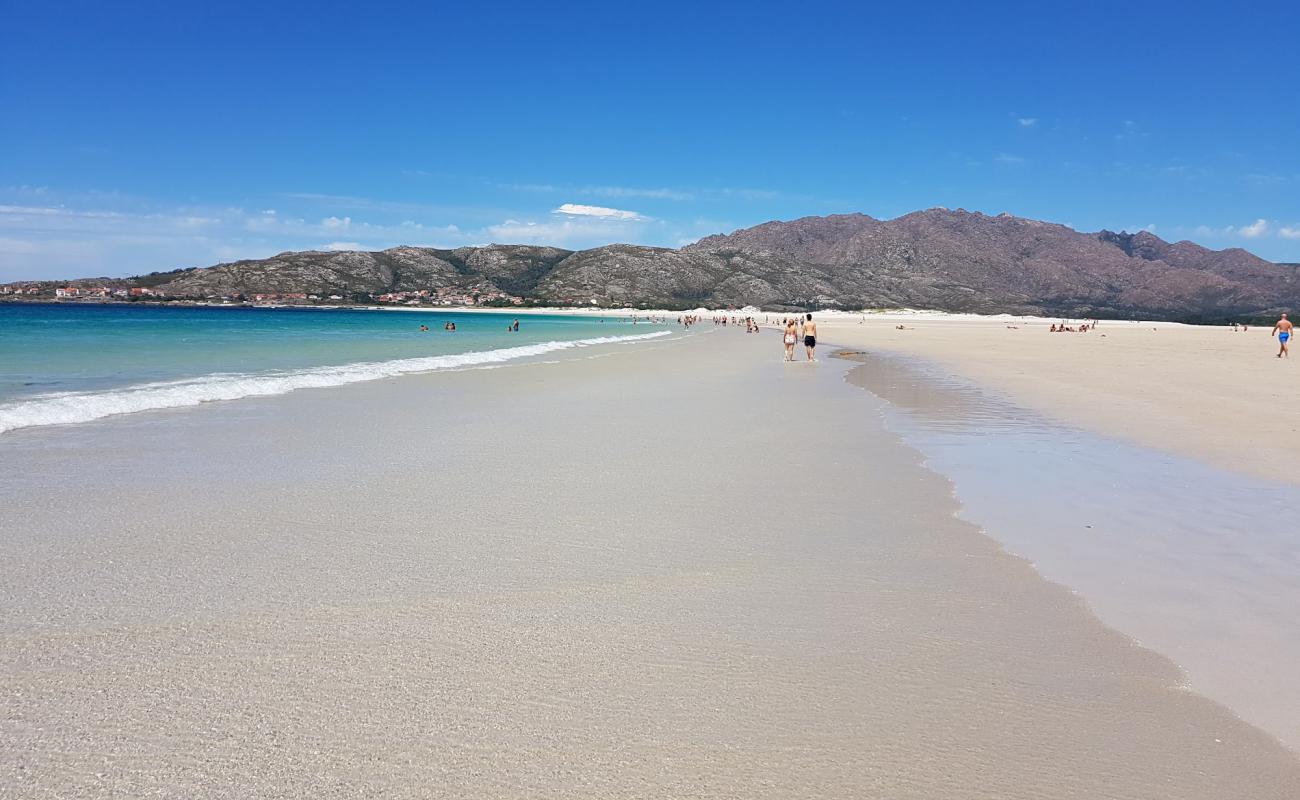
1283, 331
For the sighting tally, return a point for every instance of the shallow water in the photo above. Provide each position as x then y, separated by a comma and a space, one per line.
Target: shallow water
66, 363
1201, 564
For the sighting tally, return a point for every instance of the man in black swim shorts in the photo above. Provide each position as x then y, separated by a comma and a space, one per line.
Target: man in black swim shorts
810, 337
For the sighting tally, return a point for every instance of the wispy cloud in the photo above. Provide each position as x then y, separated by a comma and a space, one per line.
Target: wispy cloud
540, 188
577, 232
751, 194
39, 238
675, 194
627, 191
1008, 158
1258, 229
1129, 130
1027, 122
660, 193
600, 212
47, 241
1262, 180
341, 203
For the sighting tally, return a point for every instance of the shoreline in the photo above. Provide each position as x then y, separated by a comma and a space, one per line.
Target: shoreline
85, 405
881, 314
845, 634
1173, 589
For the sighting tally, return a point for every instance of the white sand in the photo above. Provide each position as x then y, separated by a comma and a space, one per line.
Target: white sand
515, 582
1206, 392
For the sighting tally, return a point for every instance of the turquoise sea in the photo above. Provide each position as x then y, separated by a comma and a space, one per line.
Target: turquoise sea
65, 363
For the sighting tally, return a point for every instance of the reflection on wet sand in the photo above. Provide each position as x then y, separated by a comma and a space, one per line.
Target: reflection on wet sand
1195, 562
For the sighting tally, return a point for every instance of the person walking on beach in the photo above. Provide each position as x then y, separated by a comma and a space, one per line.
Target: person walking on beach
790, 339
1283, 331
810, 337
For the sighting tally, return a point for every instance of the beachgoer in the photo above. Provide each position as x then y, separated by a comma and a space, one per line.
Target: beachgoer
1283, 331
810, 337
789, 339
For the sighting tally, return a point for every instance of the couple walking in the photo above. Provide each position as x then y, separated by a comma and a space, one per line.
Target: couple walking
796, 328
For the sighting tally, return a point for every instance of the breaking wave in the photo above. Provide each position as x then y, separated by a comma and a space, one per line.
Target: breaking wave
70, 407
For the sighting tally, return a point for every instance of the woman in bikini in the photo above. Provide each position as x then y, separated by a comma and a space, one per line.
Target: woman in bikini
790, 339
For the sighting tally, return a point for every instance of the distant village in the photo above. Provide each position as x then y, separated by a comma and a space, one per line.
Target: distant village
445, 296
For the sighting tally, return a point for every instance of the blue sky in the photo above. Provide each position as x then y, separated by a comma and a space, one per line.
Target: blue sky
138, 136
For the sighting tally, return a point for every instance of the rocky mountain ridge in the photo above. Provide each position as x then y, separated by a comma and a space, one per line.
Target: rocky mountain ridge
937, 259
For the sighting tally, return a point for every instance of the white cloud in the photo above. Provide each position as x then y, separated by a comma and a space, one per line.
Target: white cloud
599, 212
1027, 122
1255, 229
337, 246
1289, 233
335, 223
1007, 158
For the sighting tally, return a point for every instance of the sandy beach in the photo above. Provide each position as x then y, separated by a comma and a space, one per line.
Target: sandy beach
674, 568
1206, 392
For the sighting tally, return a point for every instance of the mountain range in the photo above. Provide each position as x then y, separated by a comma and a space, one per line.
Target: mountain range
952, 260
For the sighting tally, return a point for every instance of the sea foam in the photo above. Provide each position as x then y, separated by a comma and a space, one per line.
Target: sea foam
71, 407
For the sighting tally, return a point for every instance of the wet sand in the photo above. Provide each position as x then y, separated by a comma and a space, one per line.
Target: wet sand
1203, 392
1196, 562
678, 569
